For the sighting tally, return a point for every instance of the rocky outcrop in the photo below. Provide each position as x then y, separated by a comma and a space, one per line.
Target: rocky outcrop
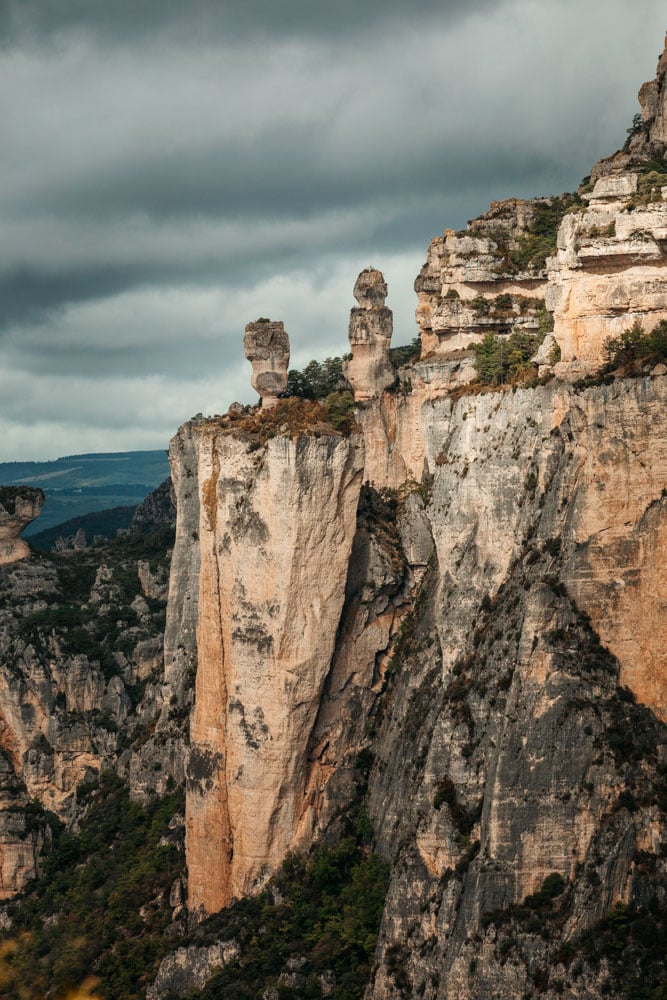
267, 348
266, 629
157, 509
489, 278
20, 834
609, 271
81, 690
189, 969
369, 370
19, 505
587, 266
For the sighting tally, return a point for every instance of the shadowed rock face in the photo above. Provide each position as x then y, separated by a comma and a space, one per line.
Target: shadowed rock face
267, 348
19, 505
371, 325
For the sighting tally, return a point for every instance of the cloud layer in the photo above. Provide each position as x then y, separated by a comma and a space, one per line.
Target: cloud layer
171, 171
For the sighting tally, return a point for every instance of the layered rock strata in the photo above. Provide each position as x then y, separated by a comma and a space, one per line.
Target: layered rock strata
369, 370
587, 265
19, 505
484, 279
267, 348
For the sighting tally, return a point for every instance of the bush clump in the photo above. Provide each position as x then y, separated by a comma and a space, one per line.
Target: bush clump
635, 347
500, 360
531, 249
325, 909
317, 379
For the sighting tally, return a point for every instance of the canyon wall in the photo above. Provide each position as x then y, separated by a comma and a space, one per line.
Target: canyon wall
499, 654
548, 515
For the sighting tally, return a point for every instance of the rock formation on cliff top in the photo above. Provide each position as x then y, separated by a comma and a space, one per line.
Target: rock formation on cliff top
371, 324
267, 348
587, 264
19, 505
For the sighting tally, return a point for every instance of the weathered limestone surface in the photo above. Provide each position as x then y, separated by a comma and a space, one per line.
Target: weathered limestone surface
276, 526
371, 324
19, 505
465, 273
267, 348
189, 969
545, 503
617, 471
180, 638
19, 841
610, 271
64, 714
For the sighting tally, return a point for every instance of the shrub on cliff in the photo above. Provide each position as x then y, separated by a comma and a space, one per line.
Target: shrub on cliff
532, 248
502, 360
399, 356
635, 346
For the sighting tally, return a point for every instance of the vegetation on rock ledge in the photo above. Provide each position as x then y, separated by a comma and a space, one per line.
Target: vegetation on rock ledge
635, 348
502, 360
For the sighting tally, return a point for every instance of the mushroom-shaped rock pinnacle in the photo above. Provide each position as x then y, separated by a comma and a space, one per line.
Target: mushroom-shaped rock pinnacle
267, 349
19, 505
370, 289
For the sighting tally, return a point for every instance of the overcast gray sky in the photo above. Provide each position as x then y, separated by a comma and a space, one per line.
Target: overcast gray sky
173, 170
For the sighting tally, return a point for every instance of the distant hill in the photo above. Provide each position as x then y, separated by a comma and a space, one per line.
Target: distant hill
81, 484
104, 523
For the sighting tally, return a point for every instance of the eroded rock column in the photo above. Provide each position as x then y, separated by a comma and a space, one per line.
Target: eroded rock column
371, 324
267, 349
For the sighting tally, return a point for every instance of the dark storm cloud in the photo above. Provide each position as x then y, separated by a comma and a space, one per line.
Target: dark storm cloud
171, 170
132, 21
288, 174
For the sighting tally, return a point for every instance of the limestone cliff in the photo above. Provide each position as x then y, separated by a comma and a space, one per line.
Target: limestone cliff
435, 623
586, 265
485, 619
500, 652
275, 529
522, 750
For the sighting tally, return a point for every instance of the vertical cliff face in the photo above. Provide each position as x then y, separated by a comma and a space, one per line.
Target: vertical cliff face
525, 760
277, 520
500, 654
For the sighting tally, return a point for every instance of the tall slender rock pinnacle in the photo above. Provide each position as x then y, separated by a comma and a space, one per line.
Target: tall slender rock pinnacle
371, 324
